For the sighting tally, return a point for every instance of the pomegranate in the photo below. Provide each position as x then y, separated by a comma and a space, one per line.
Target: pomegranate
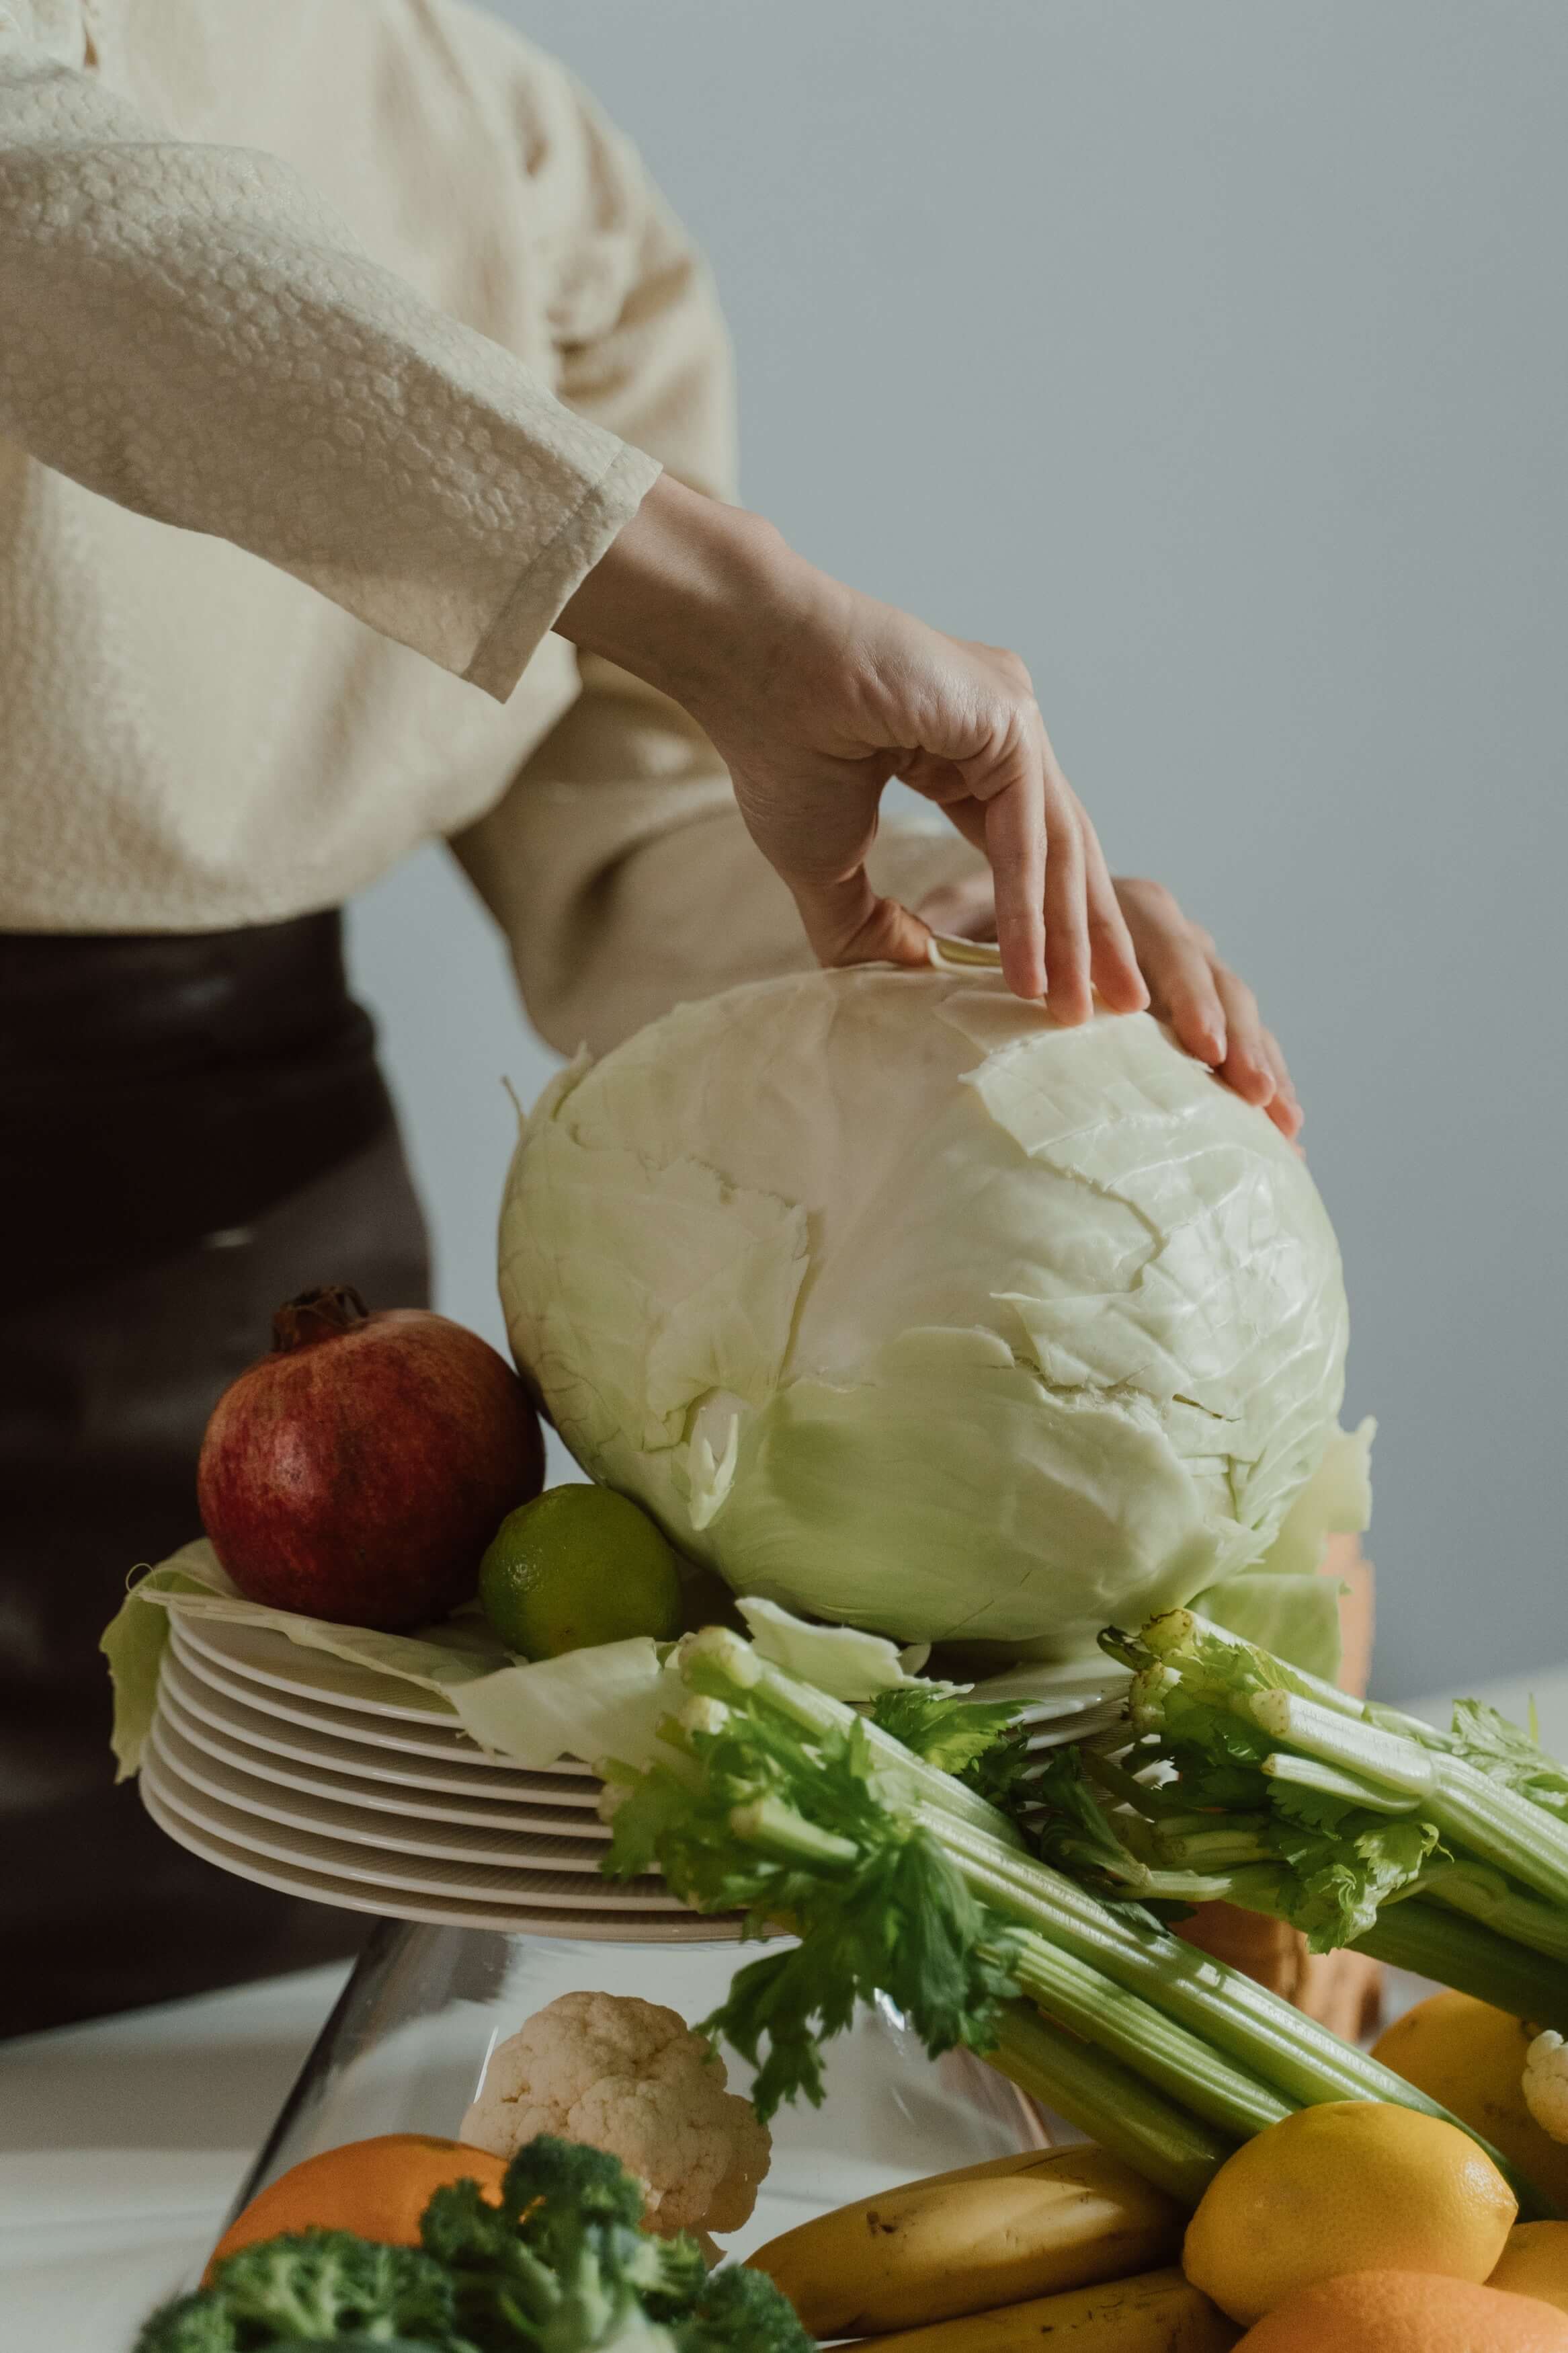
359, 1471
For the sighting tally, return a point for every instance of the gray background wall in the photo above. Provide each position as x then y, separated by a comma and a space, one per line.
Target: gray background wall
1214, 356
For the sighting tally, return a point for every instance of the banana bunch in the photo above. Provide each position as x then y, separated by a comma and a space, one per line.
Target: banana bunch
1061, 2245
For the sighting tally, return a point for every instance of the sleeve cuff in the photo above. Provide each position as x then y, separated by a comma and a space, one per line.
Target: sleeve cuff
551, 576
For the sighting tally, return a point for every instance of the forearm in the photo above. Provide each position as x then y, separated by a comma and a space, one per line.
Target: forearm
692, 595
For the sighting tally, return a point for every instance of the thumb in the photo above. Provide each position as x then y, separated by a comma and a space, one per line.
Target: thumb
847, 924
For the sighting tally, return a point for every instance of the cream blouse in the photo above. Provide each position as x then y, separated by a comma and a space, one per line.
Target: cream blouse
338, 339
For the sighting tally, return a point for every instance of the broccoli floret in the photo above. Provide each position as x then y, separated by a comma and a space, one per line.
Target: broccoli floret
310, 2286
190, 2324
562, 2261
548, 2173
742, 2311
329, 2284
560, 2266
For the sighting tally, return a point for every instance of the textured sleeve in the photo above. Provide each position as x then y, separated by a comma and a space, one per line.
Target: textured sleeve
189, 331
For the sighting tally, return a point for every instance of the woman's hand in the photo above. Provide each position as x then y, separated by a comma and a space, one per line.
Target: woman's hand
816, 697
1213, 1013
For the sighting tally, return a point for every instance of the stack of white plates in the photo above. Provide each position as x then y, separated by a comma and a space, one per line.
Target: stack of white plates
322, 1779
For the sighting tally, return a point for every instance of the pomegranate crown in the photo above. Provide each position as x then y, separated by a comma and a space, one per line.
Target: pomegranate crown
315, 1315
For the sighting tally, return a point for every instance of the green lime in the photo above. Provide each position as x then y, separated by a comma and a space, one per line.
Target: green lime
579, 1566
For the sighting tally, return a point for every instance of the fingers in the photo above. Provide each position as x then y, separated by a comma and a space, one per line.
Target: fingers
1067, 992
1284, 1106
1175, 959
846, 924
1113, 960
1036, 839
1066, 922
1254, 1065
1016, 847
1214, 1014
1246, 1067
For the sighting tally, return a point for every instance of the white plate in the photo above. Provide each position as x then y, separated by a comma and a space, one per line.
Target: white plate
385, 1834
522, 1883
432, 1738
247, 1768
677, 1927
262, 1655
250, 1735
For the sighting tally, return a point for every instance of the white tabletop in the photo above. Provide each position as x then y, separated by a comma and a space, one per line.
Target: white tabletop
122, 2146
123, 2142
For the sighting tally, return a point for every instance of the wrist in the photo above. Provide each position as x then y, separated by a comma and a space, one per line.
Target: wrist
679, 594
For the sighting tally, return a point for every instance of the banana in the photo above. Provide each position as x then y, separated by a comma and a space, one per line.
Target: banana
964, 2242
1158, 2312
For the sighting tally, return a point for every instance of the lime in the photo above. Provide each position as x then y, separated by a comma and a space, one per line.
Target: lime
578, 1566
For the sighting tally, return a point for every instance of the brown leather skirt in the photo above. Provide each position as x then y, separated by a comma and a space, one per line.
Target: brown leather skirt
191, 1128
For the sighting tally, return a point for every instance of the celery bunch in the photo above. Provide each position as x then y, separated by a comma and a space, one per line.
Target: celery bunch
1239, 1777
903, 1881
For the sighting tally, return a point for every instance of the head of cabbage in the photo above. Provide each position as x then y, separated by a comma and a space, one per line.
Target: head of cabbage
904, 1307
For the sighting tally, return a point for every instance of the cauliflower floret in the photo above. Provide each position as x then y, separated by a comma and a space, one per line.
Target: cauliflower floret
629, 2076
1546, 2084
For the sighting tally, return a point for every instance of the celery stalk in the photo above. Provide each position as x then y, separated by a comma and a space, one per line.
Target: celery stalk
1110, 2103
1434, 1943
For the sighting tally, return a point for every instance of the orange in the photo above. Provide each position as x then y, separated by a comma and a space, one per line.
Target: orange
1470, 2059
1407, 2312
1352, 2185
1535, 2263
377, 2188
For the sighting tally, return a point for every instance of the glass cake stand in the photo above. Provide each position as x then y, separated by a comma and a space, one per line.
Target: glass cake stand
406, 2048
323, 1778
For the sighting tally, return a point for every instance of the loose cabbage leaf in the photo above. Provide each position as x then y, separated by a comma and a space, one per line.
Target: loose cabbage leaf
580, 1705
134, 1642
431, 1666
592, 1704
841, 1660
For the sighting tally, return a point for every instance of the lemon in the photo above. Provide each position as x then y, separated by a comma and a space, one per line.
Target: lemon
1470, 2058
1352, 2185
578, 1566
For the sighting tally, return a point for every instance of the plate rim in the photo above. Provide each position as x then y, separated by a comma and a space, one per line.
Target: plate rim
451, 1743
612, 1900
320, 1887
276, 1809
280, 1737
376, 1796
403, 1712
